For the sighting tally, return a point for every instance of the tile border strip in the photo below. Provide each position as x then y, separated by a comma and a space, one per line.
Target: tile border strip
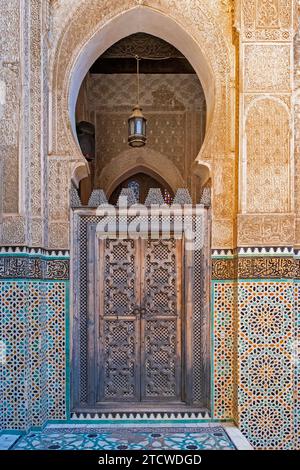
151, 415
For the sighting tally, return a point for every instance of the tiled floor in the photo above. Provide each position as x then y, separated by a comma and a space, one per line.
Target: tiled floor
121, 438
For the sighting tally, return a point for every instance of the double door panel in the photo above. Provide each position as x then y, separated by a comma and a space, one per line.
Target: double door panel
139, 321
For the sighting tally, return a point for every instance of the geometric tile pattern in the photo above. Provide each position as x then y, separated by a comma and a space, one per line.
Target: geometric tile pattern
296, 356
266, 368
223, 312
206, 438
56, 349
15, 366
259, 344
37, 347
32, 369
256, 361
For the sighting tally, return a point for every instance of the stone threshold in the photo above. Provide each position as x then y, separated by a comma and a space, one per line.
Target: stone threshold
9, 439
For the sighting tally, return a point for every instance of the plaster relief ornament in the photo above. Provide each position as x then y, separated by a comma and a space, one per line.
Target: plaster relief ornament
2, 97
97, 198
154, 197
126, 198
267, 13
182, 197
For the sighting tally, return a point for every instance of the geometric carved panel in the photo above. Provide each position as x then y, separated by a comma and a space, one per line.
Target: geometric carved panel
160, 377
160, 295
267, 68
161, 324
119, 290
268, 151
267, 20
119, 360
118, 328
140, 355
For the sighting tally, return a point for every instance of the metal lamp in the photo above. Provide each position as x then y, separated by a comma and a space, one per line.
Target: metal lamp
137, 121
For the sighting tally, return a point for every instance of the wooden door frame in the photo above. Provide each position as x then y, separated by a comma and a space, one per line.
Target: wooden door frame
86, 217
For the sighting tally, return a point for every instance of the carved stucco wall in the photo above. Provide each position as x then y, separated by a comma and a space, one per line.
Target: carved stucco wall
266, 124
297, 133
9, 106
24, 121
174, 106
54, 30
268, 157
10, 97
265, 375
52, 39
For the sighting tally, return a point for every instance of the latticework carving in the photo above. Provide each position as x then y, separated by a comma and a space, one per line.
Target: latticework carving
154, 197
161, 380
127, 197
162, 358
160, 277
119, 360
74, 197
182, 196
119, 291
206, 196
97, 198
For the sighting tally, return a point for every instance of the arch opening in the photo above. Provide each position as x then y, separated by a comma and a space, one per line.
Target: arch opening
141, 180
173, 101
142, 19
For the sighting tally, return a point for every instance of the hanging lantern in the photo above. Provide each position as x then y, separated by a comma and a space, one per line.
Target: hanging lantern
137, 122
137, 128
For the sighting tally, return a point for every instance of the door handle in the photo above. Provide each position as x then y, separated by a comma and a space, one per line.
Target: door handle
143, 311
136, 311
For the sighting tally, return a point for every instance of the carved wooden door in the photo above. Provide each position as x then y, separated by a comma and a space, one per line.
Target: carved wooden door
161, 320
139, 321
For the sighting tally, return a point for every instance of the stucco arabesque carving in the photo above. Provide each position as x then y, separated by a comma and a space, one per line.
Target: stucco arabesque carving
216, 48
267, 67
267, 20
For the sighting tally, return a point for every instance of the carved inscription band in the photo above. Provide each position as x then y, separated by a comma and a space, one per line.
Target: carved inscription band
261, 267
34, 267
256, 268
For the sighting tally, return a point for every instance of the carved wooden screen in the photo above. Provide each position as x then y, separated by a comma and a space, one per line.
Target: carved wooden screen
138, 314
161, 320
118, 339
